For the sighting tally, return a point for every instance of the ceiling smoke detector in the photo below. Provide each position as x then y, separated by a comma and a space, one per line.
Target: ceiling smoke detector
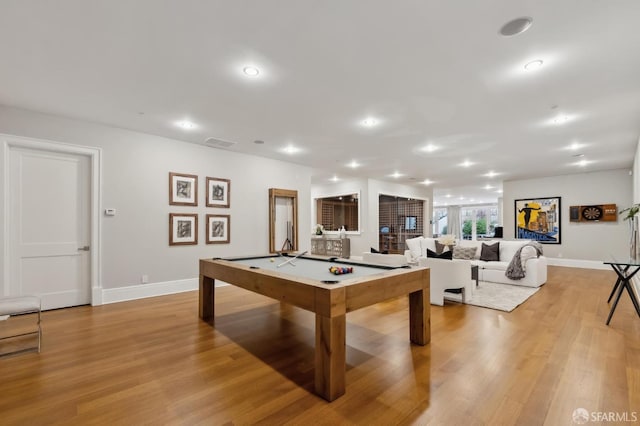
218, 143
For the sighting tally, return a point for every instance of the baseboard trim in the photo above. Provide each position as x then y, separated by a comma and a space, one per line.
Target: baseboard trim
142, 291
577, 263
133, 292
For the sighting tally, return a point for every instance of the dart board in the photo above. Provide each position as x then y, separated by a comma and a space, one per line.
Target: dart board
594, 213
591, 212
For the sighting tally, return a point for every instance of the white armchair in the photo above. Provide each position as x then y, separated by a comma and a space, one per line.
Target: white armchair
448, 274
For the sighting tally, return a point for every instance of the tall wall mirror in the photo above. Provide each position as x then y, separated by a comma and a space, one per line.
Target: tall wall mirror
283, 220
336, 211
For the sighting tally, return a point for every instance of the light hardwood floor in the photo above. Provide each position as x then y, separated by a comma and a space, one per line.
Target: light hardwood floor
153, 361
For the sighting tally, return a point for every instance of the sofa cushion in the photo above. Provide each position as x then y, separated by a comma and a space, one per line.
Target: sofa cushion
493, 266
414, 246
509, 248
468, 253
427, 243
446, 255
490, 253
373, 250
471, 243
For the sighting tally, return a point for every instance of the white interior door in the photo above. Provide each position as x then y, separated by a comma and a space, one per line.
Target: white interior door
49, 226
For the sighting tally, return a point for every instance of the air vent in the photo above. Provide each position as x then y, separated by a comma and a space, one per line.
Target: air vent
218, 143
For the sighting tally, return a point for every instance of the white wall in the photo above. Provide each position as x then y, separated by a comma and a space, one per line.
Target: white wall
579, 240
636, 175
342, 187
135, 180
369, 213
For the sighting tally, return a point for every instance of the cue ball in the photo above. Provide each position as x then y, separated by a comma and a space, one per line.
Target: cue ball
271, 260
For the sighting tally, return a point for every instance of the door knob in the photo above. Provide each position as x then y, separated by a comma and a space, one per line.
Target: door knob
85, 248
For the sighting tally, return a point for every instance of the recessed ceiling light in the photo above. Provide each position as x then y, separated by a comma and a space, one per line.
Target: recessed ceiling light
488, 186
251, 71
353, 164
499, 191
291, 149
448, 196
396, 175
187, 125
427, 182
533, 65
369, 122
561, 119
430, 148
516, 26
575, 146
466, 163
334, 178
491, 174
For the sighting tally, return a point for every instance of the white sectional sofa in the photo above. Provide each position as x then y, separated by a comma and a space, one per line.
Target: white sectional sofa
535, 267
494, 271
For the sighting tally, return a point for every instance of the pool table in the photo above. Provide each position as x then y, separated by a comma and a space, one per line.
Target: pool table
306, 282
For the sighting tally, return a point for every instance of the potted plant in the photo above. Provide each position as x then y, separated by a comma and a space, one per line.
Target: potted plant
631, 211
631, 216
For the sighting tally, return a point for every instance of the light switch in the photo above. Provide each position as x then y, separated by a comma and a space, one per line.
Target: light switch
110, 212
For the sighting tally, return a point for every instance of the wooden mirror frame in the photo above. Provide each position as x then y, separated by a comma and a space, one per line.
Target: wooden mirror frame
274, 194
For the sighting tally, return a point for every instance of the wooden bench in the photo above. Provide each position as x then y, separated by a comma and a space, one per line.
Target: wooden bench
21, 305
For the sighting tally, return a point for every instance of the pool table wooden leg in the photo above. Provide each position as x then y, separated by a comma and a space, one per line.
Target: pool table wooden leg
206, 299
420, 317
330, 356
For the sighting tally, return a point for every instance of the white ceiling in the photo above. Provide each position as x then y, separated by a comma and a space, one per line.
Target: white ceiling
431, 72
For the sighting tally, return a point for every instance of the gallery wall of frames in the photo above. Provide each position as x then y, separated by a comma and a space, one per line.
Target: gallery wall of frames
183, 226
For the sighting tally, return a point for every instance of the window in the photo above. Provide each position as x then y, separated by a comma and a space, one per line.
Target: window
440, 221
484, 218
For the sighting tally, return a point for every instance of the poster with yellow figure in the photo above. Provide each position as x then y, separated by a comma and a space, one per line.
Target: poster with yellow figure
538, 219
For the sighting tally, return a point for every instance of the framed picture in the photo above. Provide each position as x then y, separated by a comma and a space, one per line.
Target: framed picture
538, 219
218, 228
183, 229
218, 192
183, 189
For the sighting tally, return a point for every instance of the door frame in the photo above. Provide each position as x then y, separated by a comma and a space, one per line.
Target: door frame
95, 232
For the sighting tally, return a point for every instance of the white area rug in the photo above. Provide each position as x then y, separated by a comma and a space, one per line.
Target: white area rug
503, 297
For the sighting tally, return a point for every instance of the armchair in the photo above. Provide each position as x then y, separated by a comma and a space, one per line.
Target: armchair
448, 274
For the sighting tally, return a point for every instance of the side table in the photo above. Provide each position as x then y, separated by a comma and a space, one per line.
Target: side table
625, 271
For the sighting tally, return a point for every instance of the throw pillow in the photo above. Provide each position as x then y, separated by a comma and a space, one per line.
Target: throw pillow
379, 252
446, 255
490, 253
468, 253
413, 244
441, 248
